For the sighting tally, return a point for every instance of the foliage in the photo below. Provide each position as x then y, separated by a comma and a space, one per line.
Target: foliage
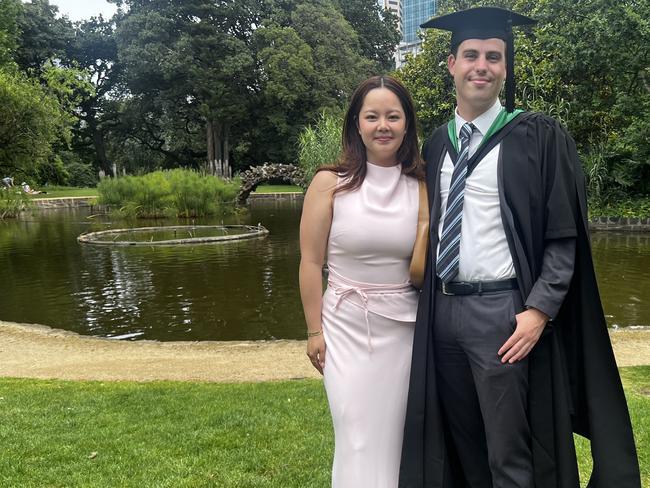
52, 171
12, 202
175, 101
286, 100
43, 35
94, 50
69, 87
310, 58
9, 31
320, 145
622, 207
80, 174
168, 83
259, 72
595, 55
377, 30
31, 121
609, 177
335, 48
179, 192
158, 434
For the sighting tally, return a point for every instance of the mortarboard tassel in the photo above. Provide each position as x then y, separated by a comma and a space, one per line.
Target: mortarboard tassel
510, 68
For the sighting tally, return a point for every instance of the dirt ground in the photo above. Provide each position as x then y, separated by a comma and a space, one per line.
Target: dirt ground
36, 351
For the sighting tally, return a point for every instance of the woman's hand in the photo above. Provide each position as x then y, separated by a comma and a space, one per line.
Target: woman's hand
316, 352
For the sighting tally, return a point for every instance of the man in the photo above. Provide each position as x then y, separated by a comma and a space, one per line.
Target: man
511, 351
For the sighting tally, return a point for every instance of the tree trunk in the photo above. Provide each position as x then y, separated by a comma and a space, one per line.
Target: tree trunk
218, 154
226, 159
210, 144
99, 145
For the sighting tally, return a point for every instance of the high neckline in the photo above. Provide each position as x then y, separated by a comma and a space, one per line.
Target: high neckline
381, 166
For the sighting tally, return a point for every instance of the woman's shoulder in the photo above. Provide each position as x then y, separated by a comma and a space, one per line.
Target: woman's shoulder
324, 181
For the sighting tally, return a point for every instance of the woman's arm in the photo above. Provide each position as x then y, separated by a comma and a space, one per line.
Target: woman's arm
314, 230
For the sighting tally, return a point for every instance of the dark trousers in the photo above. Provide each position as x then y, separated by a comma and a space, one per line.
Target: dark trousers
484, 401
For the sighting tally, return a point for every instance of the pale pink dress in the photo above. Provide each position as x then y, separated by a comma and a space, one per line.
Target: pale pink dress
368, 318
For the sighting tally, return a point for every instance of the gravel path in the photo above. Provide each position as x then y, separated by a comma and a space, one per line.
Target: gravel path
36, 351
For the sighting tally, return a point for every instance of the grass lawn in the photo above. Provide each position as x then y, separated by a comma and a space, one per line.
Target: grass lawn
168, 434
64, 191
278, 189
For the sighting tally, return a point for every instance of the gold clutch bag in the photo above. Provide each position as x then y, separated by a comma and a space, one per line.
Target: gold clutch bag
419, 258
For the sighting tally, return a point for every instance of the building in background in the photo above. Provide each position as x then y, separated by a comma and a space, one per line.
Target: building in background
412, 14
394, 6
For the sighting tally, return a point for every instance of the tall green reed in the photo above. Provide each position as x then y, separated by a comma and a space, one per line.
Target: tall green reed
12, 202
173, 193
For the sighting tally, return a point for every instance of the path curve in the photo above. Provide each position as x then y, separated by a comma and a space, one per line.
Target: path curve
37, 351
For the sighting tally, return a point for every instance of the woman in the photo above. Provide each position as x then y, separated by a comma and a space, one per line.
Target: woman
362, 214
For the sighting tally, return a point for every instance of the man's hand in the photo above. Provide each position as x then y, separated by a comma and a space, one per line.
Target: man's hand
530, 324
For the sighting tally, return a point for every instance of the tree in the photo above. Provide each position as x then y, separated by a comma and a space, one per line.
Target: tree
602, 60
43, 36
9, 31
31, 121
190, 65
193, 81
286, 78
335, 51
377, 30
308, 61
94, 50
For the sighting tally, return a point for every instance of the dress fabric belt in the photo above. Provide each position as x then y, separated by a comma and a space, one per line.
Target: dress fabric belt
344, 287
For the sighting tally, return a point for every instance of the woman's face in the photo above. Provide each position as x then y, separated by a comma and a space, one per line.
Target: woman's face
382, 125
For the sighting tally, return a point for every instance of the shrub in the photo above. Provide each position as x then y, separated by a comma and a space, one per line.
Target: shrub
79, 174
627, 207
320, 145
178, 192
12, 202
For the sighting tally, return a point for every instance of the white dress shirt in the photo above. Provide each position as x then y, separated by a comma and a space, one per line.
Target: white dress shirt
484, 252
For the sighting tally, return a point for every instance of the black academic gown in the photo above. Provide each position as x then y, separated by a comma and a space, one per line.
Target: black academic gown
573, 379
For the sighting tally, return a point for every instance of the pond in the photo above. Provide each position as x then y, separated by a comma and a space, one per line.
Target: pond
243, 290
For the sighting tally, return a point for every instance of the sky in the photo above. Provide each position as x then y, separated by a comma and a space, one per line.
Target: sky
84, 9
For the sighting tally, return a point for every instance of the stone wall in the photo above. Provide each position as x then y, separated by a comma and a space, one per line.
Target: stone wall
64, 202
631, 224
277, 196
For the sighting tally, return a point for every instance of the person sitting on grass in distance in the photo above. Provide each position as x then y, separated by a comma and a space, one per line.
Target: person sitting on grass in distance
7, 182
28, 189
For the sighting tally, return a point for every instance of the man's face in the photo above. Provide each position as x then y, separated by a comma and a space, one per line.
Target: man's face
479, 69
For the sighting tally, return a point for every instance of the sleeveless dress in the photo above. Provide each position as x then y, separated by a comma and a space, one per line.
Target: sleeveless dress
368, 315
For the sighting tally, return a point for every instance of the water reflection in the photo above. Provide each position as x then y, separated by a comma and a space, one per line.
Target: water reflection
622, 263
235, 291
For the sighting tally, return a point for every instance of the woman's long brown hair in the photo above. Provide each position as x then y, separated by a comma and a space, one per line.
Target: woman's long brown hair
351, 164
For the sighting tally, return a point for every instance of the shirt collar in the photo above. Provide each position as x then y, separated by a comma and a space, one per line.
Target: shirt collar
483, 122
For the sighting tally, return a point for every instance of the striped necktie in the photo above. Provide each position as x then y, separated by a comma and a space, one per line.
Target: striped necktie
449, 254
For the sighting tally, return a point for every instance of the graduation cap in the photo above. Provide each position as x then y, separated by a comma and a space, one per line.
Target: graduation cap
485, 23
